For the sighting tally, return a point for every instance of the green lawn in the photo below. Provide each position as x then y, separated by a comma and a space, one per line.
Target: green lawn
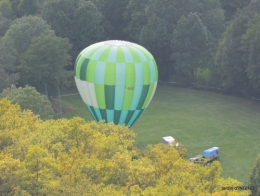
199, 120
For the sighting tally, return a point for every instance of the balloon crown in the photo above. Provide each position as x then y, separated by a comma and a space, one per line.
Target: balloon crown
118, 43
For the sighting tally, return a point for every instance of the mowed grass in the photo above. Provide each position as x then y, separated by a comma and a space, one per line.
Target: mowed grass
199, 120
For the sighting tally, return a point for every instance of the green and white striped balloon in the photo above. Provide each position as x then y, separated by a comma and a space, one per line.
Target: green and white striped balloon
116, 80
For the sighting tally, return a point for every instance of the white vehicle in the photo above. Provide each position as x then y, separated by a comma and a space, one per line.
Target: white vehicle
169, 140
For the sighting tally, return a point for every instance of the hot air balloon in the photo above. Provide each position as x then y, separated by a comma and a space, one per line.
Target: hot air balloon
116, 80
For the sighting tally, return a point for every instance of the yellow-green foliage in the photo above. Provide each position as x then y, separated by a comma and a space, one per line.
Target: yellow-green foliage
73, 157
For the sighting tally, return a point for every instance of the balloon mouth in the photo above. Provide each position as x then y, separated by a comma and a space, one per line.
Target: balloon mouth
117, 43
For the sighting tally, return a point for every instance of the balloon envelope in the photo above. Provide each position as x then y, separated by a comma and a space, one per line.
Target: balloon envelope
116, 80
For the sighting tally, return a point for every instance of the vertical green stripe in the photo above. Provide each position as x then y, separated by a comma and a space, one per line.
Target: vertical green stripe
110, 74
147, 74
104, 114
91, 71
128, 96
98, 52
100, 95
120, 58
120, 85
144, 51
129, 116
143, 96
140, 54
110, 96
127, 55
134, 55
112, 54
104, 56
151, 87
139, 79
129, 85
93, 113
78, 67
117, 116
155, 69
83, 69
140, 113
130, 74
91, 50
76, 64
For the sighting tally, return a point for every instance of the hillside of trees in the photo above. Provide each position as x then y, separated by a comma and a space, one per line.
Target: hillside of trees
72, 157
212, 43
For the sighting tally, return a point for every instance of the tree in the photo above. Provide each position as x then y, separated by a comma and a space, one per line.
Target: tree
228, 59
212, 16
255, 178
228, 62
88, 29
59, 15
28, 7
78, 20
154, 36
5, 23
135, 19
73, 157
6, 80
18, 39
44, 63
189, 44
29, 99
160, 18
10, 173
231, 7
114, 23
17, 128
5, 16
15, 4
5, 8
250, 44
38, 173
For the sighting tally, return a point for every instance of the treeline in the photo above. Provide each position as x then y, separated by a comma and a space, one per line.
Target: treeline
72, 157
208, 42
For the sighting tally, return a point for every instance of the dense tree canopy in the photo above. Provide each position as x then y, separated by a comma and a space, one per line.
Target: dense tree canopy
151, 23
6, 80
5, 16
72, 157
229, 57
190, 41
232, 6
251, 47
38, 70
113, 11
18, 38
29, 99
78, 20
135, 18
255, 178
28, 7
158, 21
88, 29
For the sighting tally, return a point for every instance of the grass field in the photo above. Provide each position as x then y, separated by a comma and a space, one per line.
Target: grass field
199, 120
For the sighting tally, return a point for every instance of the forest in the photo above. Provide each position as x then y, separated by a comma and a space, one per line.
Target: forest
72, 157
207, 42
213, 43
